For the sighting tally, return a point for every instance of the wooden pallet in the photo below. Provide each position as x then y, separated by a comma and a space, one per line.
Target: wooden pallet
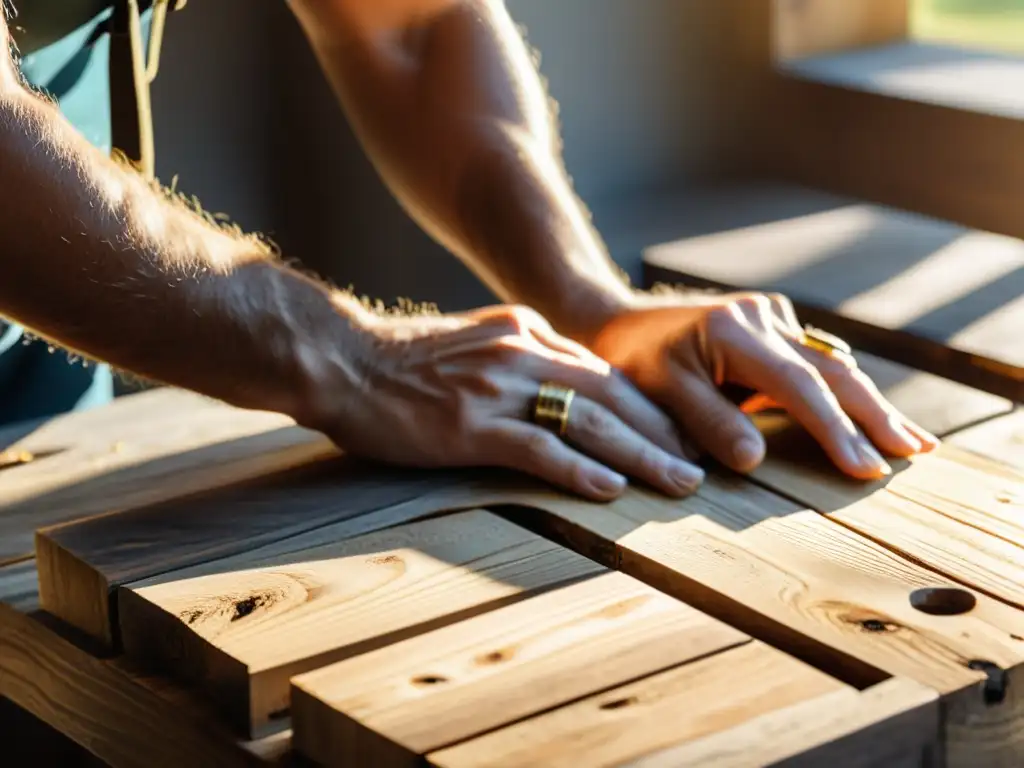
352, 614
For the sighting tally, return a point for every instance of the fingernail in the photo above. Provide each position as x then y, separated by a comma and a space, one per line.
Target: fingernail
748, 452
685, 477
607, 483
905, 435
870, 458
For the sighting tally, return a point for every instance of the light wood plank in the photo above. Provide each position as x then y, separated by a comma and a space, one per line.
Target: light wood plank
140, 449
769, 567
893, 724
927, 293
695, 700
1000, 439
393, 705
79, 564
242, 634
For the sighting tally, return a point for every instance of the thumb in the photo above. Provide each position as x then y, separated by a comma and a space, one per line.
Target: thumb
712, 421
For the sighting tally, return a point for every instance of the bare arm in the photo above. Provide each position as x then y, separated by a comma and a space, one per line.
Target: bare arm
100, 262
450, 107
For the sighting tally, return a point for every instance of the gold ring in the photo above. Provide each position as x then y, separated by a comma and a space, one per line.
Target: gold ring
552, 408
824, 342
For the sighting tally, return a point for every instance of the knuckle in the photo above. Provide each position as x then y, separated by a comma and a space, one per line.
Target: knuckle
539, 446
524, 317
589, 423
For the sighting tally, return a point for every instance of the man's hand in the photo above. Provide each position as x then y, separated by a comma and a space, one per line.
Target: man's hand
681, 351
459, 391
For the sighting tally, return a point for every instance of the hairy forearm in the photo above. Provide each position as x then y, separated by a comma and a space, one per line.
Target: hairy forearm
100, 262
451, 109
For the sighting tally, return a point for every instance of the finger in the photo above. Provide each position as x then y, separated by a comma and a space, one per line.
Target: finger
866, 405
783, 375
535, 451
711, 420
597, 432
618, 395
783, 309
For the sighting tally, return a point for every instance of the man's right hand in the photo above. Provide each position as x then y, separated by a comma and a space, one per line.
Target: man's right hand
459, 390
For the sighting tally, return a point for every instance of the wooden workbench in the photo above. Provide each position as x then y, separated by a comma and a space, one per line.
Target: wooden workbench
217, 587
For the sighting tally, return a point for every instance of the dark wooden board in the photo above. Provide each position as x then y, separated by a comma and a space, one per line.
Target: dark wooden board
922, 292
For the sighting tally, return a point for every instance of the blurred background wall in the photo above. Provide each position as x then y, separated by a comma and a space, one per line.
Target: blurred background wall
651, 92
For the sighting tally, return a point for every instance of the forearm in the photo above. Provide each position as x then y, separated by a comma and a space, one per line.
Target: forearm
452, 111
98, 261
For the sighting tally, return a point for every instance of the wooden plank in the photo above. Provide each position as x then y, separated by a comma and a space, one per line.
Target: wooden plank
1000, 439
895, 724
955, 513
79, 564
242, 634
396, 704
930, 294
98, 706
808, 27
710, 695
809, 586
140, 449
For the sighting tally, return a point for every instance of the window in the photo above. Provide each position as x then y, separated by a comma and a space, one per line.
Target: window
992, 24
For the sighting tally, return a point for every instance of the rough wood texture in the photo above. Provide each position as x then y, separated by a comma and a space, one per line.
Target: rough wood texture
393, 705
141, 449
927, 293
102, 708
817, 590
808, 27
695, 700
79, 564
957, 514
242, 634
1000, 439
893, 724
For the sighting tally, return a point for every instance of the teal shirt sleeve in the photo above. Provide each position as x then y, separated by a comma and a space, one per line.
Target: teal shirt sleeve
36, 380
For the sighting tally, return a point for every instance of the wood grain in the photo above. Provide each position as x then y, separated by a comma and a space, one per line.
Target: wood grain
393, 705
79, 564
694, 700
927, 293
1000, 439
893, 724
139, 450
242, 634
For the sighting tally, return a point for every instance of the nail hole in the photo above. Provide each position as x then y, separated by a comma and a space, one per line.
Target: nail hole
943, 601
429, 680
244, 607
619, 703
877, 625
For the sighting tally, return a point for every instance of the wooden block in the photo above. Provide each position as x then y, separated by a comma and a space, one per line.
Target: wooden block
926, 293
1000, 439
138, 450
813, 588
895, 724
242, 634
79, 564
710, 695
396, 704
